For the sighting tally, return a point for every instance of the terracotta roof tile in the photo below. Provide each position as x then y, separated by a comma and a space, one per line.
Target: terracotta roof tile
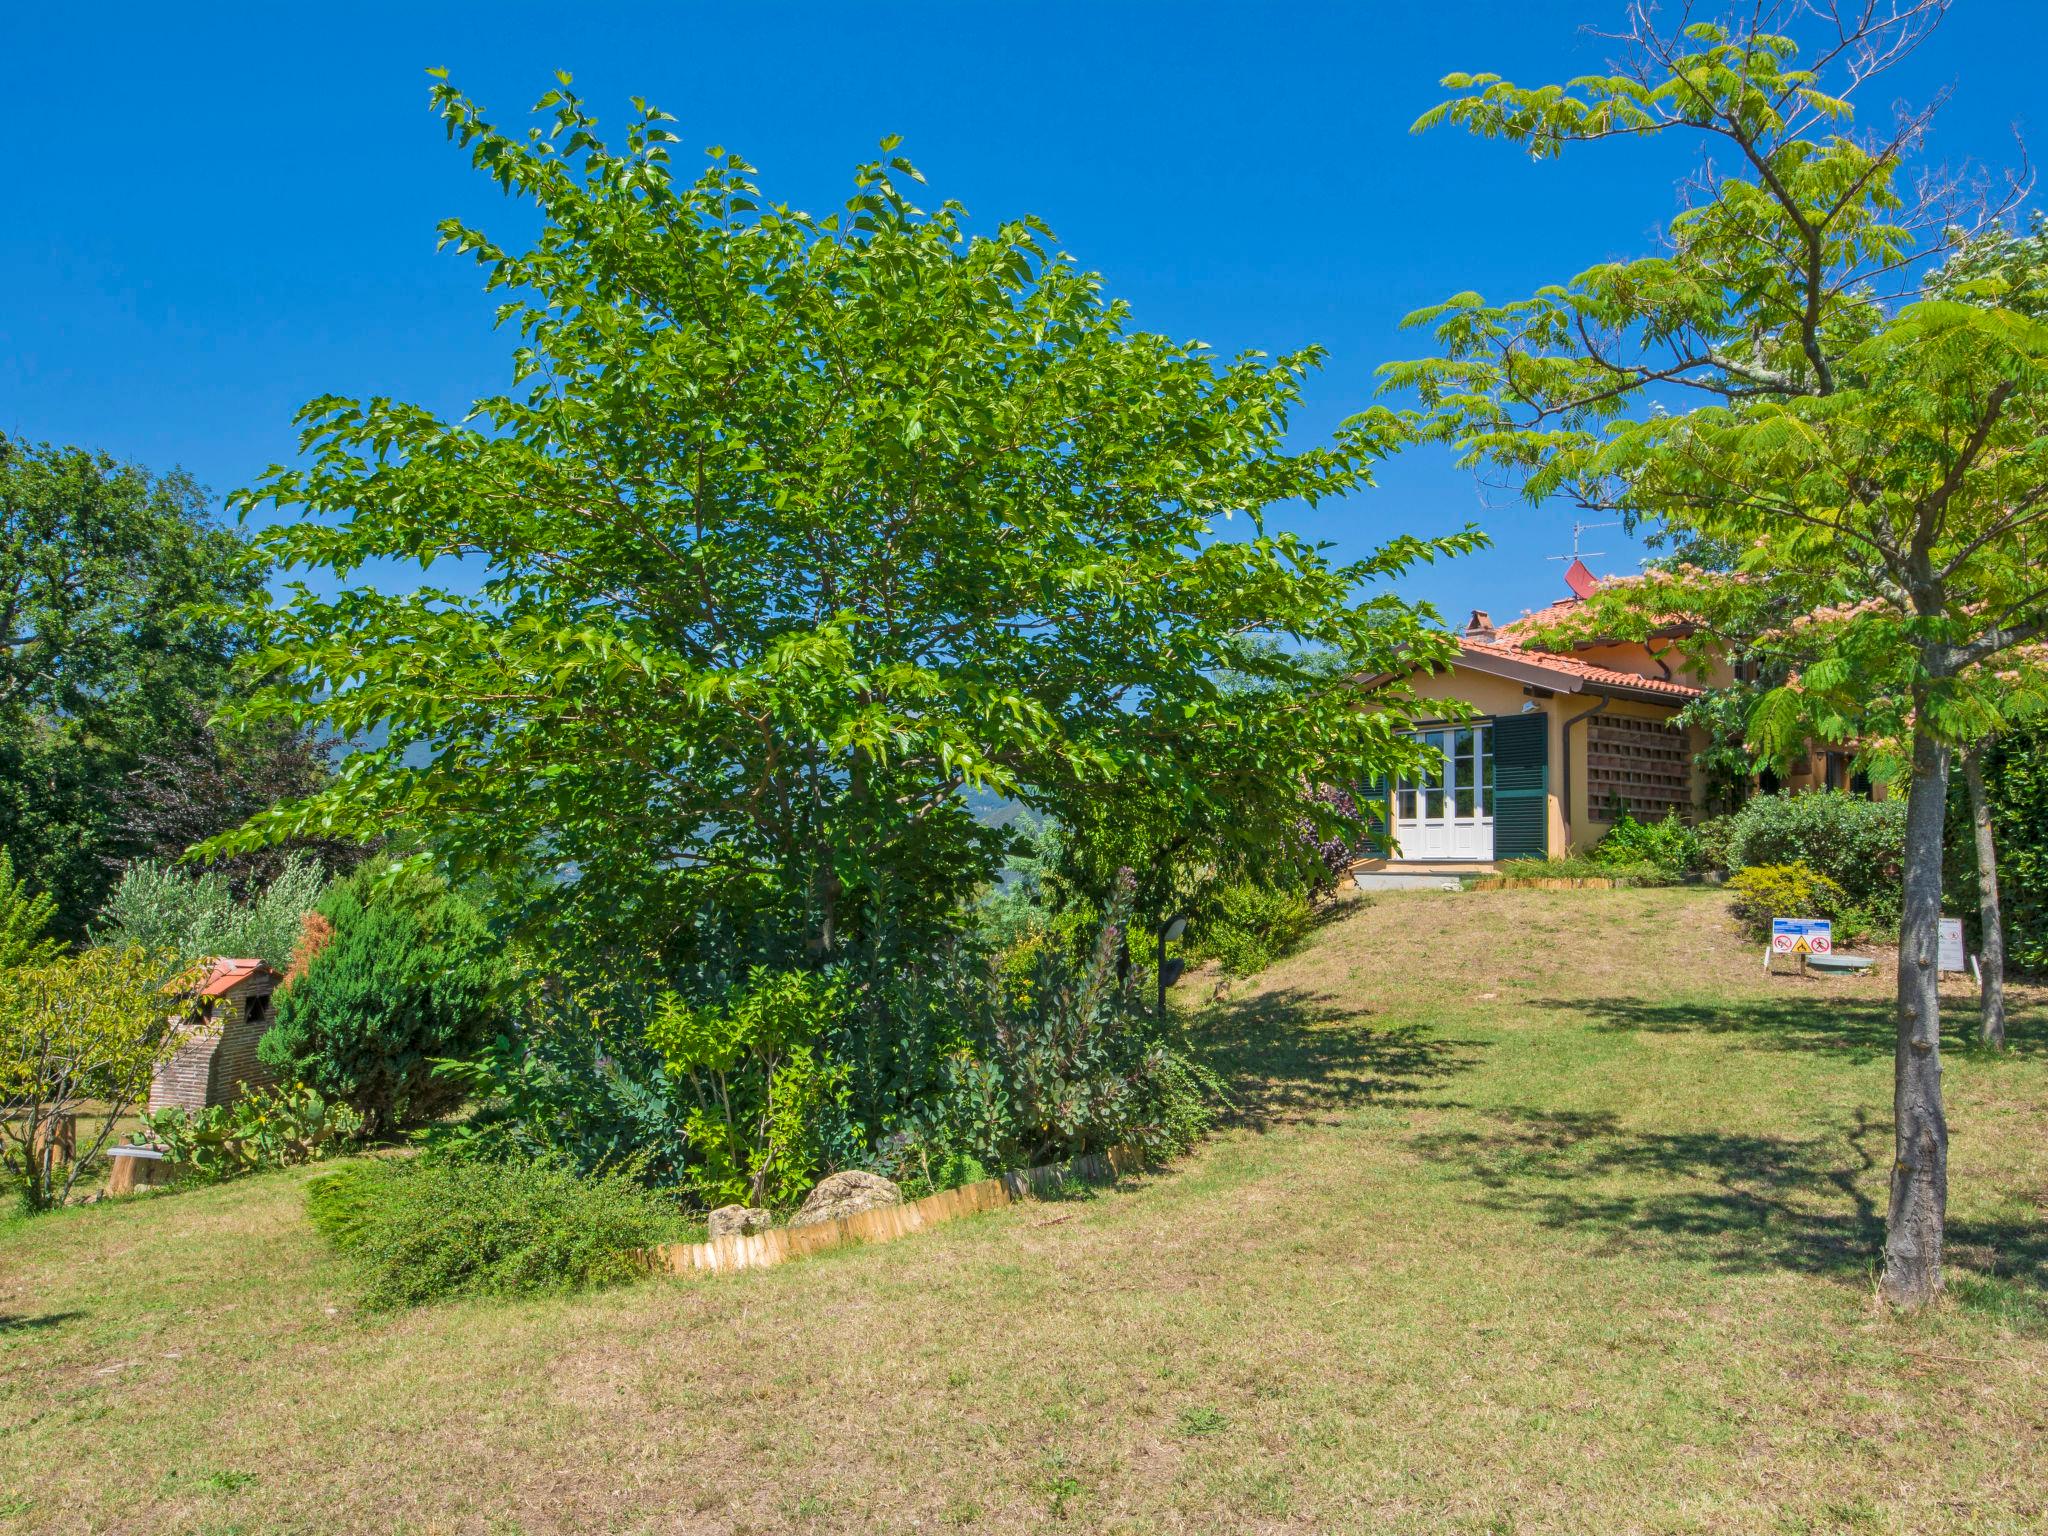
1533, 621
1536, 619
1571, 666
224, 975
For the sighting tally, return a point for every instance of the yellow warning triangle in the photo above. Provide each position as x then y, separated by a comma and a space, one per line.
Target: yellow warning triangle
1801, 947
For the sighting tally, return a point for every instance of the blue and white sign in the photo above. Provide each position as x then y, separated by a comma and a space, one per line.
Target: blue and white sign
1802, 936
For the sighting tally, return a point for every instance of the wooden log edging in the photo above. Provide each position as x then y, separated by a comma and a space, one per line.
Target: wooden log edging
761, 1250
1545, 883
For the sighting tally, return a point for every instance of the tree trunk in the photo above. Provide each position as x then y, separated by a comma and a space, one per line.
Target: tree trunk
1991, 960
1919, 1193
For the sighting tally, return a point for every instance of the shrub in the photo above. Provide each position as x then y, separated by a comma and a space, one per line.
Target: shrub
1765, 891
1073, 1062
1582, 867
1713, 836
1326, 855
580, 1095
411, 975
1669, 846
762, 1084
1858, 844
422, 1230
264, 1128
24, 921
923, 1169
198, 918
343, 1205
934, 1065
1245, 927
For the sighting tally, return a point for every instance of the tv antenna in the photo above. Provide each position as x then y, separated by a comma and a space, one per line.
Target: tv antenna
1579, 529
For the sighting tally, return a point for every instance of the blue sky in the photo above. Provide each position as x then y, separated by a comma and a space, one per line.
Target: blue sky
216, 212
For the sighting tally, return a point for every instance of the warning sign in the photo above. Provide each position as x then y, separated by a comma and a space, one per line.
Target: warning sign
1950, 956
1802, 936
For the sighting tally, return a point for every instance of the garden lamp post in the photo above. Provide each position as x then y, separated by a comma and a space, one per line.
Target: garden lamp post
1169, 931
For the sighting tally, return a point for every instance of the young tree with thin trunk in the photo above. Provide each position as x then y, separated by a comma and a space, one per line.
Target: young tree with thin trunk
2015, 693
1991, 956
1771, 385
77, 1033
2012, 267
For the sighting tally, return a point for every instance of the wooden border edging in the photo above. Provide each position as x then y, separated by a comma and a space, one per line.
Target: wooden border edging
1544, 883
760, 1250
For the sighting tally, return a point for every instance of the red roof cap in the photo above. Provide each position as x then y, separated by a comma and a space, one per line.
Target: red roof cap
225, 975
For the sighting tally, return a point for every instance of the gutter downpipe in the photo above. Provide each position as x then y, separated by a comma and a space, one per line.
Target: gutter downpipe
1606, 699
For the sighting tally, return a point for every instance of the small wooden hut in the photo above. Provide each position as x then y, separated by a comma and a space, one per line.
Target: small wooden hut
217, 1060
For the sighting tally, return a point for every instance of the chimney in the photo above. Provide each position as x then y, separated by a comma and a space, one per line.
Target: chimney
1479, 626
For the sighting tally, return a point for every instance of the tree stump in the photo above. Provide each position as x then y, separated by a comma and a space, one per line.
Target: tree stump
56, 1139
133, 1168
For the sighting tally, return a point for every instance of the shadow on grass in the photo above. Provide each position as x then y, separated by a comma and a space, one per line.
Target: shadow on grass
1292, 1053
10, 1323
1799, 1021
1750, 1204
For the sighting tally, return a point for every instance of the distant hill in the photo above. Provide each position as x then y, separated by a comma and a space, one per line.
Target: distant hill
994, 810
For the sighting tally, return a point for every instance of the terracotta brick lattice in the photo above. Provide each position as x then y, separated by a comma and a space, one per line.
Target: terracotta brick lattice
1642, 766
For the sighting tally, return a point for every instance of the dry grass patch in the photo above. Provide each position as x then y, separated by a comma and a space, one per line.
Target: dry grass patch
1542, 1211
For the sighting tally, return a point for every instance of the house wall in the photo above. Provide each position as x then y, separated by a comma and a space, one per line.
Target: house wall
1491, 695
1658, 660
186, 1079
1571, 829
235, 1065
1811, 772
1806, 772
1585, 831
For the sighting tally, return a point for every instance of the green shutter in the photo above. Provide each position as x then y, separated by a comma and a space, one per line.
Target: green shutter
1521, 786
1375, 793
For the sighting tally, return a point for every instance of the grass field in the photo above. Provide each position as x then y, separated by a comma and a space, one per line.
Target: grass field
1541, 1212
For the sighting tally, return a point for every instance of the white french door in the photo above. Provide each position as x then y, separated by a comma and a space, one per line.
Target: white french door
1449, 814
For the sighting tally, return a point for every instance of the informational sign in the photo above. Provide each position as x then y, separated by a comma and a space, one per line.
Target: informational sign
1952, 958
1802, 936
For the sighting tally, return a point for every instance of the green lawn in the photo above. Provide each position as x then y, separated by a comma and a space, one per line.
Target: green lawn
1542, 1211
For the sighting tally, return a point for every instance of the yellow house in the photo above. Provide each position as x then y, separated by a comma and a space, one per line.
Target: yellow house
1558, 745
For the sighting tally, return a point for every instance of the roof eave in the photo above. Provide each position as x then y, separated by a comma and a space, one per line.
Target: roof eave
1520, 671
1644, 695
1559, 681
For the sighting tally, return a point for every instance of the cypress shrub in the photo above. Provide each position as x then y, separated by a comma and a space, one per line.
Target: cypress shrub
408, 974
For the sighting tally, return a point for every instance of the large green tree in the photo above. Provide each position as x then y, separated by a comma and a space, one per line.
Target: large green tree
1771, 385
790, 529
106, 652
